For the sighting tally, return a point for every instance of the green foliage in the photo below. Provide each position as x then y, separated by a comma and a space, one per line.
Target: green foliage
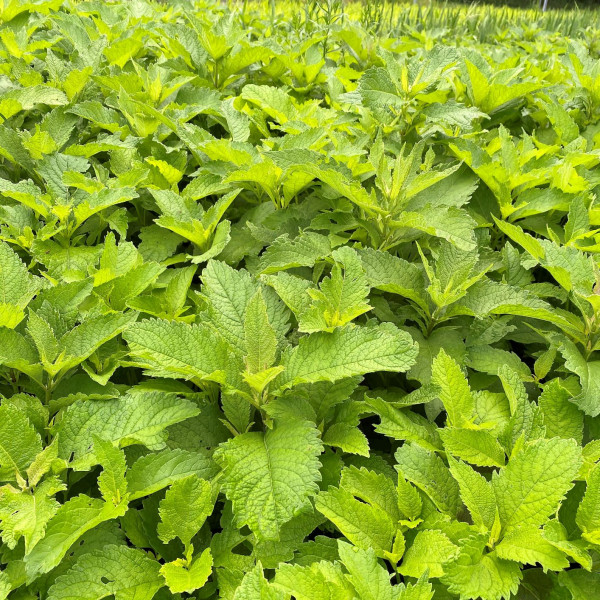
299, 303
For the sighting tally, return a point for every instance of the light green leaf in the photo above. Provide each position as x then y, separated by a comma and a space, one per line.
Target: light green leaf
526, 545
455, 393
184, 509
476, 493
346, 352
139, 418
588, 512
174, 349
477, 575
370, 579
394, 275
229, 292
78, 343
449, 223
561, 416
375, 488
488, 297
17, 287
302, 251
118, 571
157, 470
318, 581
260, 337
363, 524
111, 482
589, 376
428, 472
341, 297
270, 476
25, 514
404, 424
71, 521
534, 481
181, 577
17, 352
19, 443
430, 551
254, 586
476, 446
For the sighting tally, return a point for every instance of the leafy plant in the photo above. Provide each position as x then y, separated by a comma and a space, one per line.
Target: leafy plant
298, 302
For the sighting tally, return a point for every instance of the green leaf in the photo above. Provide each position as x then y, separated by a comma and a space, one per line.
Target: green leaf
118, 571
71, 521
43, 337
184, 509
341, 297
158, 470
555, 533
365, 525
254, 586
174, 349
455, 393
17, 287
404, 424
588, 372
476, 493
526, 419
429, 552
25, 514
526, 545
270, 476
370, 579
111, 482
534, 482
561, 417
477, 575
28, 97
374, 488
428, 472
260, 337
43, 463
19, 443
228, 293
139, 418
448, 223
319, 581
488, 297
475, 446
302, 251
187, 578
346, 352
78, 343
17, 352
579, 583
588, 512
394, 275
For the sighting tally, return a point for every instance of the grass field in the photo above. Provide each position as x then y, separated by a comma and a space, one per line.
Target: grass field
299, 301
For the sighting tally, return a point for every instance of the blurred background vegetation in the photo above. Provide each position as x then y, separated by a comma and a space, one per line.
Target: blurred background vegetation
551, 4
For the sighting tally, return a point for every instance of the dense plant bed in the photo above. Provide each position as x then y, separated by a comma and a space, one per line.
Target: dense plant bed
298, 303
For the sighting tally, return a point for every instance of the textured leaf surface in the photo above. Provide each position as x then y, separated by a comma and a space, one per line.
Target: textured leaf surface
185, 507
19, 443
347, 352
71, 521
177, 349
156, 471
533, 482
269, 477
140, 418
119, 571
428, 472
